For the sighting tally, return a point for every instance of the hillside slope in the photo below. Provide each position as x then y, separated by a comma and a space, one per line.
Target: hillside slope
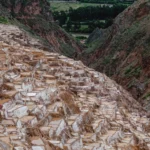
122, 51
51, 102
37, 17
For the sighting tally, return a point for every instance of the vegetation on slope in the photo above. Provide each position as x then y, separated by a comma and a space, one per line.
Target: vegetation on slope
122, 50
3, 20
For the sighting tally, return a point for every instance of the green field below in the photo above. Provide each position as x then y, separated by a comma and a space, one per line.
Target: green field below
64, 6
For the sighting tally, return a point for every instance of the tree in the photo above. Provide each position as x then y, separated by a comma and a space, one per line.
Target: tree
69, 25
62, 18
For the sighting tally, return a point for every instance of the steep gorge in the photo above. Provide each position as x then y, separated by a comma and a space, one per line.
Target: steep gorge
122, 51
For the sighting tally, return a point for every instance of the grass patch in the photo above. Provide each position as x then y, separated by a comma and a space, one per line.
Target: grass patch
3, 20
132, 71
67, 49
106, 60
64, 6
146, 95
81, 37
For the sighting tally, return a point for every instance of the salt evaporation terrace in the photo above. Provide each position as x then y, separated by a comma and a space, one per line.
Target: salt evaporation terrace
51, 102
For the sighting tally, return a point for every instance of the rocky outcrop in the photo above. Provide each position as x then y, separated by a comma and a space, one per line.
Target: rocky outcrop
122, 51
51, 102
36, 15
28, 8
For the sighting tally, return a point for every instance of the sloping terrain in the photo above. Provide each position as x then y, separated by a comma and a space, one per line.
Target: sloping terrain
51, 102
37, 17
122, 51
13, 35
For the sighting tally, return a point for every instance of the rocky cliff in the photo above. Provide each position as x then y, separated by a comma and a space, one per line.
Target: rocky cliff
36, 16
122, 51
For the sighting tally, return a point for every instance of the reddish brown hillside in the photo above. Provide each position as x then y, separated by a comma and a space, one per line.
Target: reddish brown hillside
36, 15
122, 51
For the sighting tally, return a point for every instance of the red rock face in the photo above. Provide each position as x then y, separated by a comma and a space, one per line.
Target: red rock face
33, 9
30, 8
36, 15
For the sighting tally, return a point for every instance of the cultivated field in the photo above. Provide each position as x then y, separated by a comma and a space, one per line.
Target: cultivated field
59, 6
